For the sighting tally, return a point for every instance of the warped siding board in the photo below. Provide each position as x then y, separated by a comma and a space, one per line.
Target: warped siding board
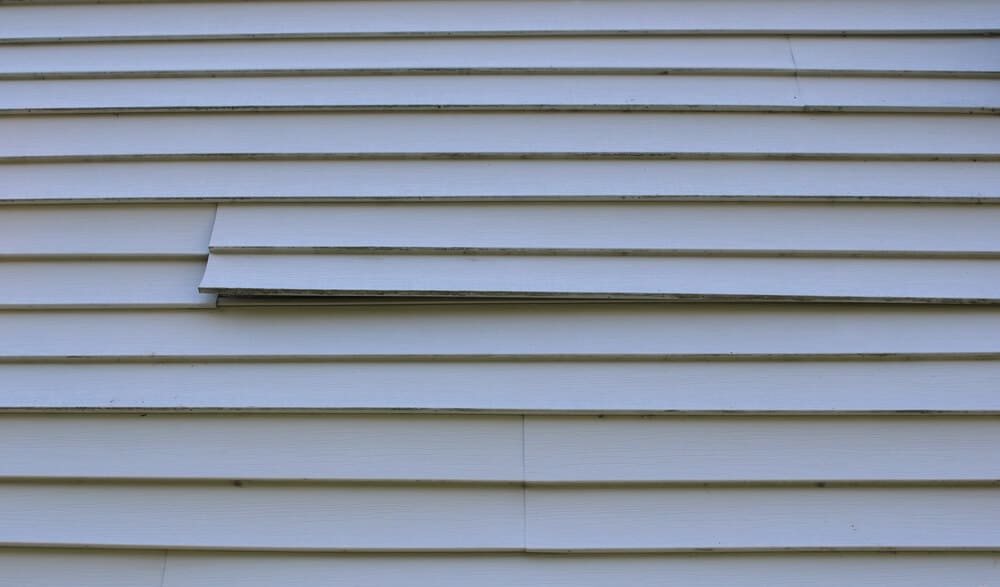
256, 19
263, 516
97, 231
506, 92
760, 449
762, 518
612, 276
336, 181
189, 569
528, 330
82, 283
465, 134
769, 387
286, 447
28, 567
723, 227
892, 56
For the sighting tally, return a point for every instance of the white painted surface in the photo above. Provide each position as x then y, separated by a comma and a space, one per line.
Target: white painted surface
567, 226
685, 570
434, 16
760, 449
88, 231
502, 92
532, 275
304, 447
509, 386
328, 181
762, 518
81, 283
714, 134
263, 516
521, 330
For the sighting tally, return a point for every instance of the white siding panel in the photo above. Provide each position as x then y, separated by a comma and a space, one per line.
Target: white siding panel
523, 330
89, 284
449, 448
904, 55
499, 133
888, 55
683, 570
424, 91
761, 449
105, 230
672, 226
368, 18
562, 387
607, 277
771, 518
506, 92
262, 516
499, 180
26, 567
399, 55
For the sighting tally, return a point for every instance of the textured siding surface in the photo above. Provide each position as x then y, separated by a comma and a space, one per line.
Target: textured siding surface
480, 292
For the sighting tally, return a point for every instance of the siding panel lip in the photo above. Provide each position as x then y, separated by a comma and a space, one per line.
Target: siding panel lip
481, 155
875, 73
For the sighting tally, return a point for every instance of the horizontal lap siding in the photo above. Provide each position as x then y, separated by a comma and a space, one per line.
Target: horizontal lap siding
544, 331
501, 92
90, 568
491, 434
372, 17
515, 386
409, 134
491, 448
559, 179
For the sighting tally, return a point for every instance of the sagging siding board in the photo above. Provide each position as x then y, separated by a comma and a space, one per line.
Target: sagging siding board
138, 118
644, 251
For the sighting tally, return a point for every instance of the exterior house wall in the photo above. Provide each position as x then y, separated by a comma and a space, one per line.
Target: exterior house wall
477, 292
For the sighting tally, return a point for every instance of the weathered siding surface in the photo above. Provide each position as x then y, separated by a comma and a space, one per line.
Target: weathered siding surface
237, 241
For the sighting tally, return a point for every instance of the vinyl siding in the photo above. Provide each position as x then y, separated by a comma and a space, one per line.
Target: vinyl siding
241, 244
